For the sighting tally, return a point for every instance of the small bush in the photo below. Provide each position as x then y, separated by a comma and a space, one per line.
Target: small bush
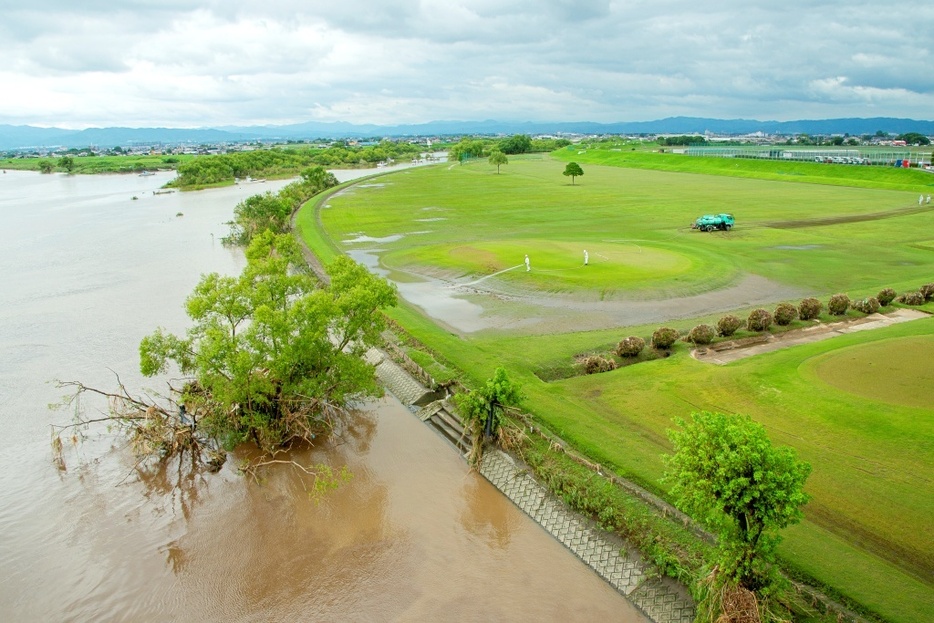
785, 314
809, 309
664, 337
927, 291
838, 304
911, 298
728, 325
598, 363
759, 320
868, 305
885, 296
702, 334
630, 346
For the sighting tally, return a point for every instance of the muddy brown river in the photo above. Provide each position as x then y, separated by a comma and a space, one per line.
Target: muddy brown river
85, 272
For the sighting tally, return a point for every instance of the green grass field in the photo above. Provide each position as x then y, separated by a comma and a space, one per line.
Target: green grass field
856, 407
102, 164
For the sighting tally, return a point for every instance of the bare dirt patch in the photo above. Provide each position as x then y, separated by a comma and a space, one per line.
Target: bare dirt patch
723, 353
852, 218
538, 313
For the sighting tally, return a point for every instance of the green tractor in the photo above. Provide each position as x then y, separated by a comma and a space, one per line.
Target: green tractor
710, 222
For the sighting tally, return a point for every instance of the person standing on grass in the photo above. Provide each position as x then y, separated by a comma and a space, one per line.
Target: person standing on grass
929, 199
528, 265
586, 257
920, 199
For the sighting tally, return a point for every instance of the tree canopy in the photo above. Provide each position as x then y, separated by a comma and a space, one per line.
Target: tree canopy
498, 159
515, 144
67, 163
483, 409
273, 211
914, 138
466, 148
272, 357
574, 170
687, 139
726, 474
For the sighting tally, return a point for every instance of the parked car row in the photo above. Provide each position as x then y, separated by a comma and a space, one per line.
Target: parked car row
841, 160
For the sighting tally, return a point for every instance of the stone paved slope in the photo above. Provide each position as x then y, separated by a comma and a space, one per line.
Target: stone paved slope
662, 599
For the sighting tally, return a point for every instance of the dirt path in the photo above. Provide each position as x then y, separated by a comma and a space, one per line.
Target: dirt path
726, 352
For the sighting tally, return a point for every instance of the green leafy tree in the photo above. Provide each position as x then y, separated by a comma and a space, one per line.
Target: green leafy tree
273, 211
516, 144
574, 170
204, 170
466, 149
46, 166
257, 214
726, 474
319, 178
914, 138
67, 163
483, 409
272, 357
498, 159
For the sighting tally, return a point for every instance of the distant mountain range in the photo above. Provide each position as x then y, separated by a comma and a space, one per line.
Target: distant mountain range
27, 137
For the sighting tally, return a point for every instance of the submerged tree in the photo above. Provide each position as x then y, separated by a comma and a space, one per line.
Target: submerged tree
67, 163
273, 211
271, 358
726, 473
483, 409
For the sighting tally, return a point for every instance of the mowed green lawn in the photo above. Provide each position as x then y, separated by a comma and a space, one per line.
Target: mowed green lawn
469, 221
857, 407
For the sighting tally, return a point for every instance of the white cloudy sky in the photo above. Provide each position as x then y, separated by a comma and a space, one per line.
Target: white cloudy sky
185, 63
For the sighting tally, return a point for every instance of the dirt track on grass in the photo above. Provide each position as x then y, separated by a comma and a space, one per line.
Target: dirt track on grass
852, 218
725, 352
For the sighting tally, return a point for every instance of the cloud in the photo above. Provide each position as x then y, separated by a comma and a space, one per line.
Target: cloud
191, 63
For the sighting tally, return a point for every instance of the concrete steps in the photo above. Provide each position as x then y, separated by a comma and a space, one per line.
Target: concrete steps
450, 427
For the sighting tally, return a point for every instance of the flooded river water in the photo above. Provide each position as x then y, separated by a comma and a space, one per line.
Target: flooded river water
85, 272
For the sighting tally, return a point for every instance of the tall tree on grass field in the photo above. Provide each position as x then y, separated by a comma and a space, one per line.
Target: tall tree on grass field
574, 170
498, 158
727, 475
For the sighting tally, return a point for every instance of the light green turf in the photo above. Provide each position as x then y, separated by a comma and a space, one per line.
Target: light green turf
873, 460
438, 209
899, 372
792, 171
613, 266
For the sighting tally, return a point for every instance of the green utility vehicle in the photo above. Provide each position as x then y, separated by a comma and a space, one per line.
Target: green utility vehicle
710, 222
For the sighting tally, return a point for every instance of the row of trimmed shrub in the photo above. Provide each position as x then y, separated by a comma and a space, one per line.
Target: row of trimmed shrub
759, 320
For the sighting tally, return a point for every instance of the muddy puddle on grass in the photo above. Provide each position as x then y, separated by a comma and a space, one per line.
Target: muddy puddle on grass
471, 305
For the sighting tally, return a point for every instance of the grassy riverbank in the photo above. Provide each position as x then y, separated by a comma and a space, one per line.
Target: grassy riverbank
100, 164
873, 455
857, 176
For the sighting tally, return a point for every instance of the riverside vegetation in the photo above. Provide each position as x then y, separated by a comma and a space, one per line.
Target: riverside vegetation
860, 538
273, 357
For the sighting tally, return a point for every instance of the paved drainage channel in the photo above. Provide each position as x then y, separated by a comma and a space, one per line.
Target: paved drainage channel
664, 600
